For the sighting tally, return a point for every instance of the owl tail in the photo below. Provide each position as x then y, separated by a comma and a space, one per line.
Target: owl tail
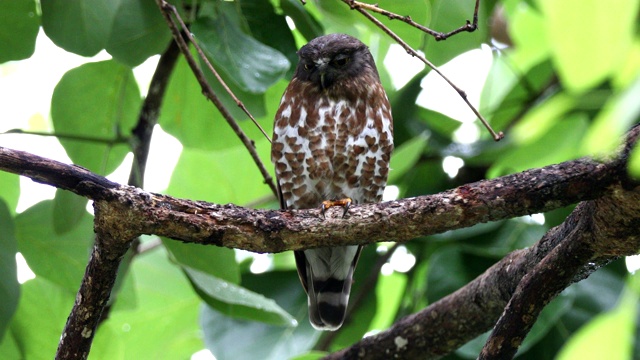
327, 275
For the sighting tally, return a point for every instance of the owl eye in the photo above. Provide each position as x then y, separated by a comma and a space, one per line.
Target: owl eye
308, 67
340, 61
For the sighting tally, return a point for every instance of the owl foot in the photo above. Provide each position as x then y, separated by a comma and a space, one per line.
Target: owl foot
345, 203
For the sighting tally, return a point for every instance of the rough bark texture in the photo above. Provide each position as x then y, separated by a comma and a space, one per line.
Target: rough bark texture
141, 212
513, 291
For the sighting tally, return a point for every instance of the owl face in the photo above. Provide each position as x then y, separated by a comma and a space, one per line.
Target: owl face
327, 60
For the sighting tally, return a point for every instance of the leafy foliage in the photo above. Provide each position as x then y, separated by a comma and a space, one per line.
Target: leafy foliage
567, 86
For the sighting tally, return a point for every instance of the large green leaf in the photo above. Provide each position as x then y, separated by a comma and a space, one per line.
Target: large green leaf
238, 302
405, 157
252, 65
19, 24
61, 259
10, 185
40, 318
213, 260
81, 27
164, 324
95, 101
196, 123
261, 15
587, 55
559, 144
620, 112
9, 287
305, 22
220, 176
68, 210
138, 31
268, 342
608, 336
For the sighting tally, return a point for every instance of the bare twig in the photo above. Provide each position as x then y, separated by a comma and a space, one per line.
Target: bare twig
119, 139
410, 50
167, 11
468, 27
203, 57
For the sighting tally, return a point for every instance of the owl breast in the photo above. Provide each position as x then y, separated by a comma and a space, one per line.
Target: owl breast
329, 147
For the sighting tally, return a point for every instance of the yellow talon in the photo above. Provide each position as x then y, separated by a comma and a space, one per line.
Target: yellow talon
345, 203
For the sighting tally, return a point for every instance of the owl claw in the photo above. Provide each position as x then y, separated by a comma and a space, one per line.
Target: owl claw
345, 203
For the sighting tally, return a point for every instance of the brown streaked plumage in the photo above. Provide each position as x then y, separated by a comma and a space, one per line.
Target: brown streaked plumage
333, 138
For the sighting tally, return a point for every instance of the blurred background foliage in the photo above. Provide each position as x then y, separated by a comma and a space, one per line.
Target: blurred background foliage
562, 81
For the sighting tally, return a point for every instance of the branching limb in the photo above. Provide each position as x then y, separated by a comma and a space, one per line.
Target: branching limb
168, 11
410, 50
597, 231
468, 27
100, 275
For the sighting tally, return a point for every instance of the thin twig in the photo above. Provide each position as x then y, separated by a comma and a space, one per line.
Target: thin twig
119, 139
410, 50
468, 27
167, 9
204, 58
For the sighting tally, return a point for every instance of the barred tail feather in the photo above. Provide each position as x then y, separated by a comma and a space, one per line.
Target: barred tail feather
327, 275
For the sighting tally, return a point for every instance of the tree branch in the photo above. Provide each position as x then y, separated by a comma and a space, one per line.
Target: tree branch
596, 232
532, 191
123, 213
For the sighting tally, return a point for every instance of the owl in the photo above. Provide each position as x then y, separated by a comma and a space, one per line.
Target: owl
332, 140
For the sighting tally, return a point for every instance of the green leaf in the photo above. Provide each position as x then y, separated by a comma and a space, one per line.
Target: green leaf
238, 302
164, 325
608, 336
95, 101
138, 31
61, 259
19, 24
587, 55
10, 185
213, 260
389, 292
268, 342
261, 15
196, 123
37, 334
559, 144
9, 287
439, 122
620, 112
541, 118
68, 211
226, 176
308, 26
634, 162
312, 355
252, 65
406, 156
81, 27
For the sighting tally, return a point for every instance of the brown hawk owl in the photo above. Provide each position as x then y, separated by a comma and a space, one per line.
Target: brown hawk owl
332, 139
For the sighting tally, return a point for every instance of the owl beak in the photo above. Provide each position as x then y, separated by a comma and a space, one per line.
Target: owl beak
322, 79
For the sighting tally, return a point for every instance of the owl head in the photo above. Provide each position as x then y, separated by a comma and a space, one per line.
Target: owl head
331, 59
